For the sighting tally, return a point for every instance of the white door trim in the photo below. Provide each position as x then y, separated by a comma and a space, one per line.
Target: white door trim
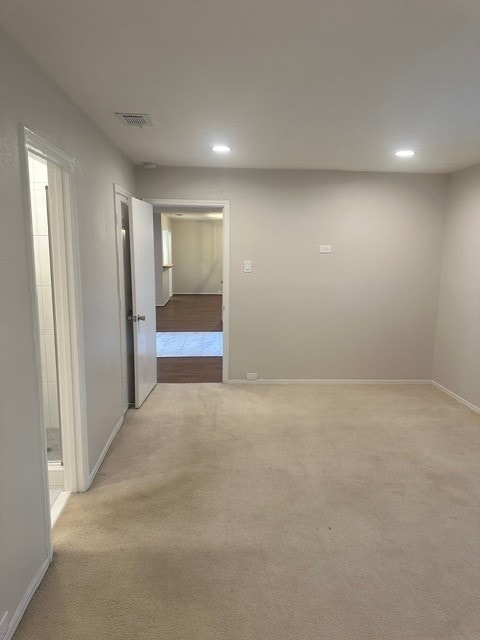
117, 188
142, 261
121, 195
225, 205
69, 321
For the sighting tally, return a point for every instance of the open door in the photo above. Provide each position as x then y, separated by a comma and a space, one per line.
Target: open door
143, 297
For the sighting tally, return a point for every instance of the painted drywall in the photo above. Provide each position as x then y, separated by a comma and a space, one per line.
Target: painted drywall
160, 222
158, 255
29, 97
457, 346
197, 256
365, 311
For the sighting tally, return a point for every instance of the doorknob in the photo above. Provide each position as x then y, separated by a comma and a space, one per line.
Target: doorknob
136, 318
141, 318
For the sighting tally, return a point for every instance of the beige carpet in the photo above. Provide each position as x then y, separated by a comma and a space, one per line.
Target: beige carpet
297, 512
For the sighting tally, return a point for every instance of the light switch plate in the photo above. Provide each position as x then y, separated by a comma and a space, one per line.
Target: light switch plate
325, 248
247, 266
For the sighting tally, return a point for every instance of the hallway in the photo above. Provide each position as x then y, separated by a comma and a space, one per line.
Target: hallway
274, 512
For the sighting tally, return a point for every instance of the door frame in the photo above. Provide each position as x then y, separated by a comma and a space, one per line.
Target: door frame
68, 317
225, 205
142, 260
121, 195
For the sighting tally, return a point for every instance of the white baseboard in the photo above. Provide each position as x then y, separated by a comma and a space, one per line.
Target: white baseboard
105, 451
468, 404
58, 506
328, 381
18, 615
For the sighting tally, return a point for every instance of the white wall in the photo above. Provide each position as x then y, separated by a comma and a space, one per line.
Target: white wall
161, 275
367, 310
29, 97
457, 348
158, 254
197, 256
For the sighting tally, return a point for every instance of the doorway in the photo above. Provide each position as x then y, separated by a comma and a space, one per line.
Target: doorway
136, 295
124, 270
57, 303
191, 253
45, 296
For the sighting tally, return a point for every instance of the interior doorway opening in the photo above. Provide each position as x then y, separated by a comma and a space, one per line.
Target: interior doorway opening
136, 295
126, 299
40, 204
57, 300
190, 258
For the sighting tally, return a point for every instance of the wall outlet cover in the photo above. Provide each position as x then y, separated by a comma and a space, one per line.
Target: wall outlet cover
252, 376
325, 248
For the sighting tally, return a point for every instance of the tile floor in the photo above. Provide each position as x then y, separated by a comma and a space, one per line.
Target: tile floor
185, 344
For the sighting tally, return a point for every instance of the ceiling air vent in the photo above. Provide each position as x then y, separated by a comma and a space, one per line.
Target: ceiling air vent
135, 119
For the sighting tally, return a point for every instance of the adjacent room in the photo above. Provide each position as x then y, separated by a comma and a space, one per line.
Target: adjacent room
188, 281
41, 228
240, 320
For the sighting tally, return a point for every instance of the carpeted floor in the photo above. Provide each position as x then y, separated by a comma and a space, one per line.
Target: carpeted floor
300, 512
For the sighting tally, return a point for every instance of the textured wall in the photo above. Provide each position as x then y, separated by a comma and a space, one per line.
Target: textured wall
365, 311
197, 255
457, 347
29, 97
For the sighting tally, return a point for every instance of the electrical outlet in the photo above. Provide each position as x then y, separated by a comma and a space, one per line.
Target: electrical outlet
252, 376
325, 248
4, 625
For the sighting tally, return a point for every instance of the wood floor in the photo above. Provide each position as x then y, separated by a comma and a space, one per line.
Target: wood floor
206, 369
190, 313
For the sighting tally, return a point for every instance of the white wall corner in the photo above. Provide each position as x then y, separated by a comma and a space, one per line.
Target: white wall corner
104, 452
455, 396
28, 595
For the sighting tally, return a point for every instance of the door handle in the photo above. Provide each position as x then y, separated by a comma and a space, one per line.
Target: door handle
141, 318
136, 318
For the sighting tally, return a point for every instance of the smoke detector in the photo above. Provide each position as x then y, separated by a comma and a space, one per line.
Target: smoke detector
135, 119
149, 165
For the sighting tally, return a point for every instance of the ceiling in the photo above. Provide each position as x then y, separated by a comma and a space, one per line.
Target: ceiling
310, 84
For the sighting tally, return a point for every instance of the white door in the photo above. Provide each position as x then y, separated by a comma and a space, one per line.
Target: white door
143, 295
170, 258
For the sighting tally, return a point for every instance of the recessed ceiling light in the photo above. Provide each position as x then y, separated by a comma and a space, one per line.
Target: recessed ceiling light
404, 153
221, 148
